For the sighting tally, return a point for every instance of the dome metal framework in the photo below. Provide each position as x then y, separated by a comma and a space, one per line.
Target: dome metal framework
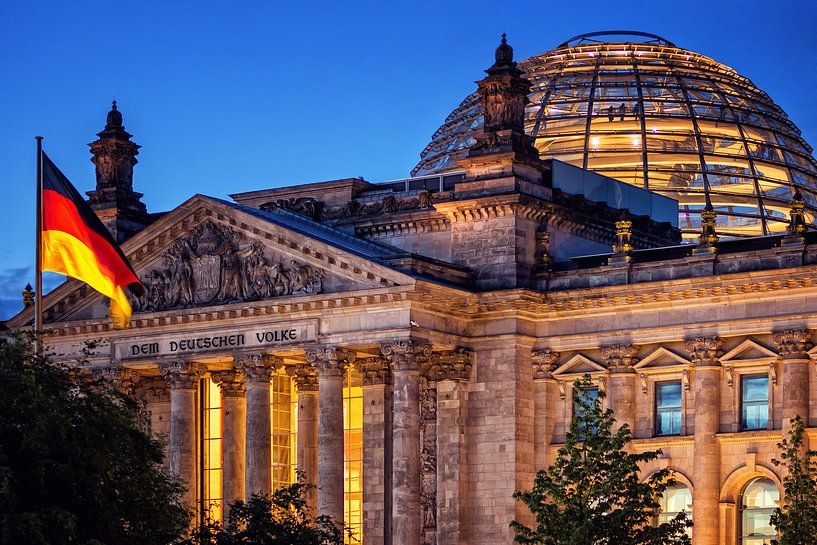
660, 117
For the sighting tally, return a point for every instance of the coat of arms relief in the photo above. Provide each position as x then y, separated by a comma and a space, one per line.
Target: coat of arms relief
216, 265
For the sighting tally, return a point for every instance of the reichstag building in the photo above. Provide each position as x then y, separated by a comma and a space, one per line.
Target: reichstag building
618, 207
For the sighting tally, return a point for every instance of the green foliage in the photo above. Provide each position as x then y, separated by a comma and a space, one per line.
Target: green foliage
592, 494
75, 466
283, 519
796, 519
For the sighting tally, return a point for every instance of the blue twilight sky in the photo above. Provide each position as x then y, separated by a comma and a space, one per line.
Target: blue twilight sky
238, 95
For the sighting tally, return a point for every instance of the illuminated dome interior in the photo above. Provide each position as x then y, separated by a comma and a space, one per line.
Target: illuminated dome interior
641, 110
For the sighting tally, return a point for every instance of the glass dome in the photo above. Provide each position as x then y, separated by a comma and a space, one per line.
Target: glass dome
635, 107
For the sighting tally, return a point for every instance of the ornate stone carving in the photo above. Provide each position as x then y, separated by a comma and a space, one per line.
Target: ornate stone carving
406, 355
385, 205
304, 376
623, 248
708, 239
257, 367
329, 361
620, 357
306, 206
798, 225
230, 382
543, 259
374, 371
544, 363
122, 379
216, 265
793, 344
153, 390
181, 374
449, 365
704, 350
428, 460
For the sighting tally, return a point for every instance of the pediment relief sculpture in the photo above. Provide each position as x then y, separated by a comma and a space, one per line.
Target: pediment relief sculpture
216, 265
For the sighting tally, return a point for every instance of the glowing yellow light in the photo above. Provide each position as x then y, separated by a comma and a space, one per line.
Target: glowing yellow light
595, 141
636, 141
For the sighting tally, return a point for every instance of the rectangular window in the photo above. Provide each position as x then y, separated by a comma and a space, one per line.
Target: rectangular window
754, 402
668, 408
353, 456
283, 405
211, 428
588, 395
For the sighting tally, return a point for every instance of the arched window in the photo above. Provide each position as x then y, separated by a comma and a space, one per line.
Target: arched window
676, 498
757, 503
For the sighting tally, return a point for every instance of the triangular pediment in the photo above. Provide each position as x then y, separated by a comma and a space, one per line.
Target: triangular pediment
749, 350
208, 252
659, 358
577, 365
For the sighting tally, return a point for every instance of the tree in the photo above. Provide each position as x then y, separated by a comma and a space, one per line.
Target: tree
796, 519
592, 494
75, 465
282, 519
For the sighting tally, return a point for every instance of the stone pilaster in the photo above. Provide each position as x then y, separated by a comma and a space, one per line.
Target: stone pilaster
233, 446
154, 392
376, 448
793, 346
183, 378
448, 373
621, 383
330, 363
405, 358
545, 392
306, 383
257, 370
704, 353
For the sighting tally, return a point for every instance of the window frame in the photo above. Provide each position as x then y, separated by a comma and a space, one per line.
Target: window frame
742, 403
679, 408
742, 509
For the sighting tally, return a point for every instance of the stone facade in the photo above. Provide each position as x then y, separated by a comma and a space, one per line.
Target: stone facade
466, 328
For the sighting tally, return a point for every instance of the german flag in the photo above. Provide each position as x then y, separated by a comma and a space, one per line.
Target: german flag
77, 244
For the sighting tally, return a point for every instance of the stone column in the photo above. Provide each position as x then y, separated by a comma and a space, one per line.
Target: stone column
183, 378
405, 358
257, 370
621, 385
376, 448
706, 476
545, 394
793, 346
233, 448
450, 371
307, 456
155, 394
330, 363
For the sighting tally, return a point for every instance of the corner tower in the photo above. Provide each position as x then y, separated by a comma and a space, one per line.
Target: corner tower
115, 202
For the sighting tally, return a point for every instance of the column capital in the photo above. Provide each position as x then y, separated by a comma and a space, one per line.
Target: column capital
257, 367
449, 365
305, 378
181, 374
374, 370
406, 355
153, 389
120, 378
230, 382
620, 358
329, 361
793, 344
544, 363
704, 351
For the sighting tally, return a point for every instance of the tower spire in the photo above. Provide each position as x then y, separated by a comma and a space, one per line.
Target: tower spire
114, 200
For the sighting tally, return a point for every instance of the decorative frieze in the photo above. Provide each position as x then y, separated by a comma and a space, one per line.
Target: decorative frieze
329, 361
620, 357
428, 460
385, 205
306, 206
257, 367
406, 355
230, 382
704, 351
121, 378
544, 363
374, 371
181, 374
216, 265
449, 365
793, 344
304, 376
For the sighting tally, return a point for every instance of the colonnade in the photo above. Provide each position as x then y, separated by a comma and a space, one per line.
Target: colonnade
392, 505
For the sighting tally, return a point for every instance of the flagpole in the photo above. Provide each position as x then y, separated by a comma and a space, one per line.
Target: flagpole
38, 300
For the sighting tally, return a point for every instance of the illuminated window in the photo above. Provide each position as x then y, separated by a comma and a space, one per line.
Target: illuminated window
757, 503
674, 500
283, 407
353, 455
211, 427
668, 407
754, 402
